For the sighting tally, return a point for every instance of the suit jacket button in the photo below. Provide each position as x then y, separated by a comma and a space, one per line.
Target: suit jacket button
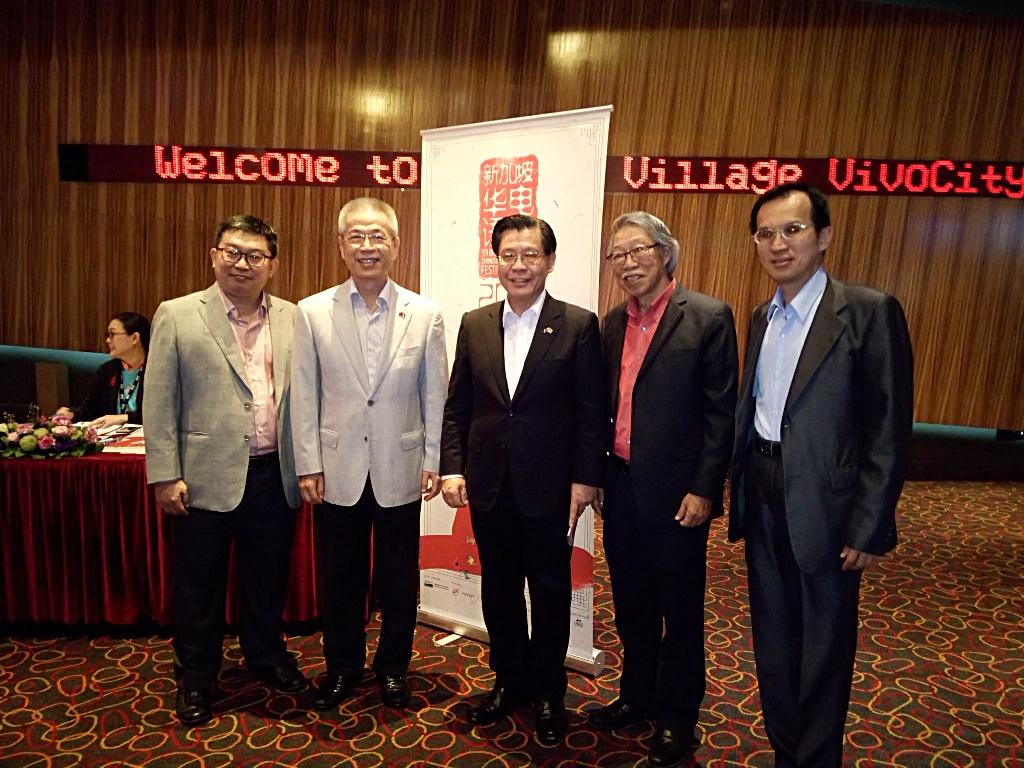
246, 438
248, 406
369, 402
511, 413
365, 439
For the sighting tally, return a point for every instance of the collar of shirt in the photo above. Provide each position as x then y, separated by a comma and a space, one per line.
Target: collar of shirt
385, 300
534, 308
805, 300
232, 310
636, 315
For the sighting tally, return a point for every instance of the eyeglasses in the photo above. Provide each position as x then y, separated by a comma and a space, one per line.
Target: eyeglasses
530, 258
233, 255
112, 334
790, 231
641, 254
356, 239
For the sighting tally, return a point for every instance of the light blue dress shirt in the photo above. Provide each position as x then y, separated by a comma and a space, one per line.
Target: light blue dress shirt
784, 339
373, 328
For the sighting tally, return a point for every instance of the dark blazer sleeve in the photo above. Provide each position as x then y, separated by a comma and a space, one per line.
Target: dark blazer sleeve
719, 364
458, 409
102, 397
885, 394
591, 407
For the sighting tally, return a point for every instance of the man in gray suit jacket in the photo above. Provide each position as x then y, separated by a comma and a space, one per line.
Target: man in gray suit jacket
218, 455
822, 438
369, 384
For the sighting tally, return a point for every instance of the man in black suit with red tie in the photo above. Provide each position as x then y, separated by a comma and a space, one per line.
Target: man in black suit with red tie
523, 445
671, 355
822, 438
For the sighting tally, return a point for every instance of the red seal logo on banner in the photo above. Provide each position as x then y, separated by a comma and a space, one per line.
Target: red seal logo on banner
508, 185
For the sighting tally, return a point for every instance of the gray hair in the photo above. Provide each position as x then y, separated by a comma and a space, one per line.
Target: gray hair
655, 229
373, 204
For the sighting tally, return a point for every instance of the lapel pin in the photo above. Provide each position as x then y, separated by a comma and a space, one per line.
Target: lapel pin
549, 329
402, 315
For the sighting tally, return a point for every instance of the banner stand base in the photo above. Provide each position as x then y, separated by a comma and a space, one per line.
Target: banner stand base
592, 666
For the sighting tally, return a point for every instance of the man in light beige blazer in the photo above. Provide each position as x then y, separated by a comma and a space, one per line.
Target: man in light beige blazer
218, 455
369, 381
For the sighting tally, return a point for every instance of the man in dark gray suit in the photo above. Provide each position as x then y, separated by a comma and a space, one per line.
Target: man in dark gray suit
822, 438
219, 458
671, 357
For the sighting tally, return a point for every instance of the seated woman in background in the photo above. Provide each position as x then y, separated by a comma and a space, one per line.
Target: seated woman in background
116, 393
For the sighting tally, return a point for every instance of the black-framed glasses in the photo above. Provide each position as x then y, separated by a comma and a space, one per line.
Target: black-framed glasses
356, 239
789, 231
112, 334
642, 253
530, 258
232, 255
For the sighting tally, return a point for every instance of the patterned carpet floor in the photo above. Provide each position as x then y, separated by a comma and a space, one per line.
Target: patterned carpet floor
939, 679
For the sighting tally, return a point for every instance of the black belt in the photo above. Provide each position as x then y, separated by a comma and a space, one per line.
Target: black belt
768, 448
263, 459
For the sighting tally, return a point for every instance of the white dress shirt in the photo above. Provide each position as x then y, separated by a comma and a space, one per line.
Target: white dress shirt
518, 333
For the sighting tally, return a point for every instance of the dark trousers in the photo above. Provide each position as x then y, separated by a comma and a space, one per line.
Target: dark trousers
343, 538
805, 631
516, 550
658, 574
261, 528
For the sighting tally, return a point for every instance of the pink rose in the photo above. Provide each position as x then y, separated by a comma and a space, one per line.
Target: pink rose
62, 420
91, 435
24, 429
61, 430
46, 442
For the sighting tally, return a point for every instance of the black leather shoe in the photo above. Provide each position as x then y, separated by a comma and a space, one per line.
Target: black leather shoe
333, 690
551, 722
498, 702
394, 689
618, 714
192, 706
283, 677
670, 747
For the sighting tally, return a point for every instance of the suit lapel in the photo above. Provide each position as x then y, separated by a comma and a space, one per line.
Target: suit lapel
825, 329
615, 337
211, 309
758, 327
344, 322
494, 343
281, 349
549, 324
399, 318
669, 320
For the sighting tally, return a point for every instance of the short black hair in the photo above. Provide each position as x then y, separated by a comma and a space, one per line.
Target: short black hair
133, 322
820, 216
519, 222
251, 225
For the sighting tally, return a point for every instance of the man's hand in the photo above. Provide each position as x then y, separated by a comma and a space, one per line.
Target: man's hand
693, 511
172, 497
311, 487
111, 420
430, 484
855, 560
580, 497
453, 490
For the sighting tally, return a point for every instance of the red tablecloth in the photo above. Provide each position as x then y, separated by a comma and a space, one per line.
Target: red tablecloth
82, 542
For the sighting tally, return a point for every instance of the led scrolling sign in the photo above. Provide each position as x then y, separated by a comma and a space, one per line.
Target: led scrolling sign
174, 163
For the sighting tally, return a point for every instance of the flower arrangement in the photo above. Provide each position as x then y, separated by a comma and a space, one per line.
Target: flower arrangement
45, 437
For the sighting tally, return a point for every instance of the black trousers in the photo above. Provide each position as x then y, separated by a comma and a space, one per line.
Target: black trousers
515, 550
261, 527
343, 540
658, 574
805, 631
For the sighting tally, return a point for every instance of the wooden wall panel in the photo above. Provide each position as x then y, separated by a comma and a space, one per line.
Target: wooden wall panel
707, 77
